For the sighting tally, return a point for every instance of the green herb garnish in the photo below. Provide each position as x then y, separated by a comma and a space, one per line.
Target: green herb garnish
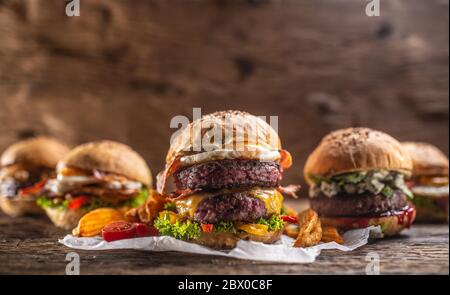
187, 230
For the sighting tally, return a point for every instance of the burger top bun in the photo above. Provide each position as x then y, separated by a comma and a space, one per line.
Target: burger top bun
427, 159
108, 156
244, 128
38, 151
357, 149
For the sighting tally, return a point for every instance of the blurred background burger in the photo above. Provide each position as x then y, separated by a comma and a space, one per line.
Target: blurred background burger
429, 182
222, 193
93, 175
357, 179
25, 167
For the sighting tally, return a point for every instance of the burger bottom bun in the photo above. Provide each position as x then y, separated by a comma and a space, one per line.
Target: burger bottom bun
229, 240
67, 219
433, 214
16, 207
390, 225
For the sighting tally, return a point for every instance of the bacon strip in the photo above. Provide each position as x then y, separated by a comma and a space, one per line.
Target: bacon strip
290, 190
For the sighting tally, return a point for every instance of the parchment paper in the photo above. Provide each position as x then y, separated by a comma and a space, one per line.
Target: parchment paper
281, 252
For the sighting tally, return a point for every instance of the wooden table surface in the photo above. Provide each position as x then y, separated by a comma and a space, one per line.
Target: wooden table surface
30, 246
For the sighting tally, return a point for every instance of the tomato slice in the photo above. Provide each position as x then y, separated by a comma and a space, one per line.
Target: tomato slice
286, 159
289, 218
78, 202
119, 230
143, 230
36, 188
254, 229
207, 227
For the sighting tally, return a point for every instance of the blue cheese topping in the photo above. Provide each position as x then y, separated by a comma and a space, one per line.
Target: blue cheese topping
373, 181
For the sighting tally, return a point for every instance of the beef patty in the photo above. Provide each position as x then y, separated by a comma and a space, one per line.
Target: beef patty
230, 207
228, 174
358, 205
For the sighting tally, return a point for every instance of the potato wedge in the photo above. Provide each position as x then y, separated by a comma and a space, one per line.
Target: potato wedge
310, 229
331, 234
147, 212
92, 223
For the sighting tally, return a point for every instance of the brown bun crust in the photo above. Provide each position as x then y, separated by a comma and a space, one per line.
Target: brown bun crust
39, 151
16, 207
108, 156
427, 159
66, 219
226, 121
357, 149
229, 240
390, 225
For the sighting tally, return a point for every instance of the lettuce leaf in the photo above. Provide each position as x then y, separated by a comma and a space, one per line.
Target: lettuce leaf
224, 226
274, 222
186, 230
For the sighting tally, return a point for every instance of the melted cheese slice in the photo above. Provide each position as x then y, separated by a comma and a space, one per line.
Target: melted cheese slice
272, 199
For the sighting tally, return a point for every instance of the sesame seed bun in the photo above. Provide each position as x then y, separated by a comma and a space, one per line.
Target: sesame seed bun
108, 156
16, 207
39, 152
427, 159
66, 219
228, 122
357, 149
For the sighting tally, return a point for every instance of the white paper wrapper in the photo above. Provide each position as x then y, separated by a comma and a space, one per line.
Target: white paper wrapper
282, 251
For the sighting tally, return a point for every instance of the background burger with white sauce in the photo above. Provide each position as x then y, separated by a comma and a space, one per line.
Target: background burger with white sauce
429, 182
25, 168
94, 175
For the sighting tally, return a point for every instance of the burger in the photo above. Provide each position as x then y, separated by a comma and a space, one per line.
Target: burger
93, 175
25, 167
227, 188
357, 179
429, 182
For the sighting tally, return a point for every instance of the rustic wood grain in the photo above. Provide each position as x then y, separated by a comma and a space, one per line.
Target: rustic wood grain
29, 246
123, 69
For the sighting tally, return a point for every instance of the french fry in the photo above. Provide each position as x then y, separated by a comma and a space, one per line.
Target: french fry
310, 230
92, 223
148, 211
331, 234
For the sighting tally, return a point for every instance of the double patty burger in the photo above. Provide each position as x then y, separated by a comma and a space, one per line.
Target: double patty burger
94, 175
357, 179
225, 190
24, 169
429, 182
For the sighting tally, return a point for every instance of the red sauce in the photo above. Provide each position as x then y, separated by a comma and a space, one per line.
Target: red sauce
404, 217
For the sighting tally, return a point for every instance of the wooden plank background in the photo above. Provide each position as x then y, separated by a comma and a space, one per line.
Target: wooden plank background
123, 69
